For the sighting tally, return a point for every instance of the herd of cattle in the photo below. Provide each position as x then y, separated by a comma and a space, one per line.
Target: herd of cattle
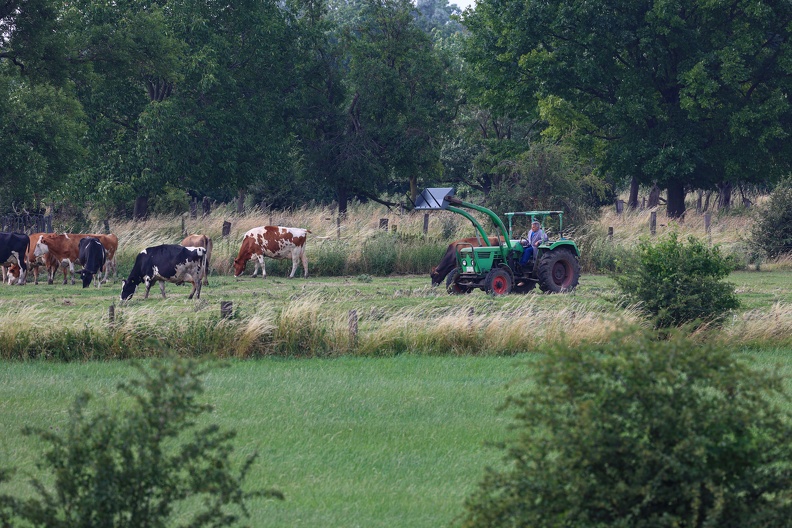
187, 261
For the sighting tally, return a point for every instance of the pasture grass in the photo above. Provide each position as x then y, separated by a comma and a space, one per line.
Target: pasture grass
350, 442
311, 318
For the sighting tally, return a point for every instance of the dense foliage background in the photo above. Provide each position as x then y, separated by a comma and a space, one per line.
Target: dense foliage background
122, 108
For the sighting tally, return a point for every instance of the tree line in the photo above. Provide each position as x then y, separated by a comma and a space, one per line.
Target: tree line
125, 107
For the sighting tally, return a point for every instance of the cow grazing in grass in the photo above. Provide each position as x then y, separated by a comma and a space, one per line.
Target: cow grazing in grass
13, 250
204, 242
166, 263
92, 258
449, 260
274, 242
65, 248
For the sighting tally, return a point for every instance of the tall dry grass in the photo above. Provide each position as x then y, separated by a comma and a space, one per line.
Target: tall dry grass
361, 224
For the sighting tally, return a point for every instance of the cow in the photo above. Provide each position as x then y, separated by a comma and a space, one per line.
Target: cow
449, 260
13, 249
66, 248
166, 263
49, 262
204, 242
92, 258
274, 242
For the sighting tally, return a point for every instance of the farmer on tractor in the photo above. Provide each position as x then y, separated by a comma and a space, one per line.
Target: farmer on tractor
535, 237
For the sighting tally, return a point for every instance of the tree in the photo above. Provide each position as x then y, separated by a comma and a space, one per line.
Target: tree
688, 94
378, 99
41, 121
642, 432
135, 466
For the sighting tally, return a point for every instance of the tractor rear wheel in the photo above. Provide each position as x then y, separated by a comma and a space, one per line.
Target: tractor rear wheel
498, 282
558, 271
451, 284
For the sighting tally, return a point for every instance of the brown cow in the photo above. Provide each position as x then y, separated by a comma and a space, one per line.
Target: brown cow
204, 242
449, 260
66, 247
274, 242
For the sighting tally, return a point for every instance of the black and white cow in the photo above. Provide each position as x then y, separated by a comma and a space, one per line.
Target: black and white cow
14, 248
92, 258
166, 263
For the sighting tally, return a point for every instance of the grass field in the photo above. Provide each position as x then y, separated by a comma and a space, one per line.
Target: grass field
350, 442
394, 438
310, 317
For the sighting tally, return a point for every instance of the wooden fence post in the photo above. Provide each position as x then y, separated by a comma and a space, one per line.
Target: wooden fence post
226, 228
383, 223
226, 309
653, 223
619, 206
707, 223
470, 314
610, 233
426, 223
111, 314
338, 227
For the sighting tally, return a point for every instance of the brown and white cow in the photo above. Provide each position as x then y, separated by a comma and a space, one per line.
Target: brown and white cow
49, 262
449, 260
66, 247
274, 242
204, 242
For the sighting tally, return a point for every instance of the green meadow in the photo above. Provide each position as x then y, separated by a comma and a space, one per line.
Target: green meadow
387, 428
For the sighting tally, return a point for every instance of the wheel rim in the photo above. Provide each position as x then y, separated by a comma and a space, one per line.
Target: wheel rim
499, 285
561, 273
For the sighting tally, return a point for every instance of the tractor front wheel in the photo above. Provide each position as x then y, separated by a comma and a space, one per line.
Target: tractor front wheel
451, 284
558, 271
498, 282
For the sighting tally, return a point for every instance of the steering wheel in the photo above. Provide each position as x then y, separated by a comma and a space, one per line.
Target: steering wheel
524, 242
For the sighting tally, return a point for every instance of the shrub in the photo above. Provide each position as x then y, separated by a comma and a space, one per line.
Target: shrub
678, 283
137, 466
772, 230
639, 432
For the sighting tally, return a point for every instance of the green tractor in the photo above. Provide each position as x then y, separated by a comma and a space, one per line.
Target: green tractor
496, 269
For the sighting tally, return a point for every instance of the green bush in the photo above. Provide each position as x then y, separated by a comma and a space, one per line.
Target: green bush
772, 230
678, 283
639, 432
139, 465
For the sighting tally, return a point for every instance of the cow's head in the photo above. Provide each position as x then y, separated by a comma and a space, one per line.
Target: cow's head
41, 248
127, 289
436, 278
13, 274
86, 277
239, 266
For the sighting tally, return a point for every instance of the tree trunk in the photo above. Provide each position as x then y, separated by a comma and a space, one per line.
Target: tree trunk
724, 195
654, 197
141, 207
241, 201
413, 188
632, 201
675, 200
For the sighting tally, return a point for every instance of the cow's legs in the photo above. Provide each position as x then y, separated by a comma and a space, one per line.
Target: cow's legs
260, 262
162, 288
295, 263
304, 259
196, 288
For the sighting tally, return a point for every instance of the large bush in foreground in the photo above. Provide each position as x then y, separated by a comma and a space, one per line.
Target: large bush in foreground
138, 465
677, 282
772, 231
640, 432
